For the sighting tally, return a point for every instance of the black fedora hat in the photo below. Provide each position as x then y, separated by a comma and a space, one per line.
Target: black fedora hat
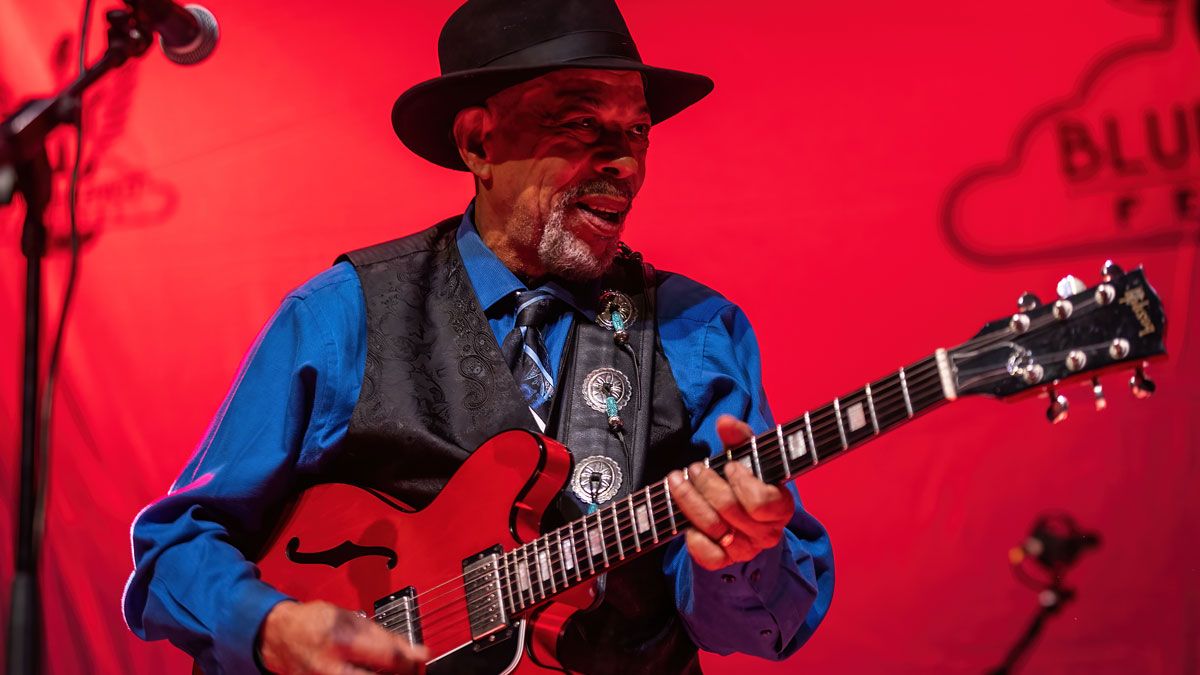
490, 45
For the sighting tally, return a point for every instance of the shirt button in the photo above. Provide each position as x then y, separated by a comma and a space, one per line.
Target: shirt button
727, 578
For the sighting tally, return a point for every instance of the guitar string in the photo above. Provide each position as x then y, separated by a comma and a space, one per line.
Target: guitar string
558, 569
896, 390
555, 555
827, 421
817, 431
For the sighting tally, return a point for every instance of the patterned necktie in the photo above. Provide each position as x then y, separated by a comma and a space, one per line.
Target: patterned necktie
525, 352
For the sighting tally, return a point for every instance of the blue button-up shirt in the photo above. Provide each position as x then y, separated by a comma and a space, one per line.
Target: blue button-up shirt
290, 406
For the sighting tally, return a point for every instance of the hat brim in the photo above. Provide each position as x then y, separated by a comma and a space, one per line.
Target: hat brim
423, 116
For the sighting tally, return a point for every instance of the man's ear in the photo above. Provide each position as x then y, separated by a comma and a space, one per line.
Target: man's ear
470, 129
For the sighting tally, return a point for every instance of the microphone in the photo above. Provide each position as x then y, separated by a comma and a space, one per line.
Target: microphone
1055, 542
187, 34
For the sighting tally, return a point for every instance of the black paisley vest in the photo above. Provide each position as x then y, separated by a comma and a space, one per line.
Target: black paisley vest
435, 387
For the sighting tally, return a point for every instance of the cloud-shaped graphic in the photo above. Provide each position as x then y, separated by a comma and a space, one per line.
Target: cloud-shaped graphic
1113, 167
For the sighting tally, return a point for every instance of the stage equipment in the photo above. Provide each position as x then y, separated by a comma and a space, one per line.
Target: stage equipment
1054, 544
25, 169
187, 34
476, 578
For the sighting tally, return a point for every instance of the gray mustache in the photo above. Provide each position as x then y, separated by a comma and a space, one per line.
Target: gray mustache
599, 187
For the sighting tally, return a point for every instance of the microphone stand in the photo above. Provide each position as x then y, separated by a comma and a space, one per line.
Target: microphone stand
1052, 601
25, 168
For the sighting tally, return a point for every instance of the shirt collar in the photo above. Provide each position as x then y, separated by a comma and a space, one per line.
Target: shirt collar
494, 282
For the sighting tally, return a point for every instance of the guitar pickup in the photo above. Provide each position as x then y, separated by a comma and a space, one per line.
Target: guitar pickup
398, 614
485, 599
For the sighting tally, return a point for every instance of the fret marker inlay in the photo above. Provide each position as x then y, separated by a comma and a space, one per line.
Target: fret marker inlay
795, 445
642, 516
856, 417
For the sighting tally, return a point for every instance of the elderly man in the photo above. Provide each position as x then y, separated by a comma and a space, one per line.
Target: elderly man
390, 368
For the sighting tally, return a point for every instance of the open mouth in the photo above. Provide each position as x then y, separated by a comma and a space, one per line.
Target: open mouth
606, 209
614, 217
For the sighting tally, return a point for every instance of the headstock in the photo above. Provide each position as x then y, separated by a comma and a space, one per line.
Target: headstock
1114, 324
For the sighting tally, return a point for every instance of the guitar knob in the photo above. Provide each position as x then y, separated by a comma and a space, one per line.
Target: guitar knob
1098, 392
1058, 409
1140, 385
1111, 270
1028, 302
1069, 285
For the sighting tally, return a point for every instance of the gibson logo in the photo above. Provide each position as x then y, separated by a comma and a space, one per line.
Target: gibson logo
1135, 299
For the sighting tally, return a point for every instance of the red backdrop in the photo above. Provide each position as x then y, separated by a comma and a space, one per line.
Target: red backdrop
870, 180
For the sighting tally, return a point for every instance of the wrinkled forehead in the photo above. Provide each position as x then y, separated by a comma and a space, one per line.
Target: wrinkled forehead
571, 86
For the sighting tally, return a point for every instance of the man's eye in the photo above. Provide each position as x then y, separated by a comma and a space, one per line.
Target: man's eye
641, 130
584, 123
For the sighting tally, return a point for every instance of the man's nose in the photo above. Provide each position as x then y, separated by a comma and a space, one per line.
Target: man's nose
615, 156
621, 165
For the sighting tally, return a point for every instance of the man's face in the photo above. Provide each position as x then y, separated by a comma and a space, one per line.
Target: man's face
567, 153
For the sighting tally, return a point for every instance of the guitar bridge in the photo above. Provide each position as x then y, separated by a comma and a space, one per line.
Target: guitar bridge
485, 601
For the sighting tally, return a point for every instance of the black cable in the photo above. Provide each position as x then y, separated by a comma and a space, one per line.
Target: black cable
47, 404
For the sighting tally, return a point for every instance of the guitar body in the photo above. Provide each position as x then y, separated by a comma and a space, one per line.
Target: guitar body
355, 547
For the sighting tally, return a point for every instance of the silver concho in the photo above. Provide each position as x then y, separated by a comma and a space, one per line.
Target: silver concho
624, 306
596, 479
602, 383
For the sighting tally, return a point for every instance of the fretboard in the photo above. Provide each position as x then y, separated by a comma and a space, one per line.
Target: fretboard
586, 547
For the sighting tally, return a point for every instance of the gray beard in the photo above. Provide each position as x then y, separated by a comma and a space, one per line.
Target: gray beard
565, 255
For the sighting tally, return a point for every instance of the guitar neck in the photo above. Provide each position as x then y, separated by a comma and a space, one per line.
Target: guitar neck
593, 544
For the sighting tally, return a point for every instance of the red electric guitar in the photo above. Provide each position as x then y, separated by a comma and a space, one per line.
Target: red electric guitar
473, 577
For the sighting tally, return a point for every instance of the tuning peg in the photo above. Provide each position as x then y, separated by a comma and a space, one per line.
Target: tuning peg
1142, 386
1098, 392
1069, 285
1028, 302
1057, 411
1111, 270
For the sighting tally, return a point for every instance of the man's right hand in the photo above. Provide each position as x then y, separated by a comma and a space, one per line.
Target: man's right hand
317, 637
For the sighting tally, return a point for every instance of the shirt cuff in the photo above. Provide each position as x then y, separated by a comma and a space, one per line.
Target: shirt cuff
237, 646
762, 590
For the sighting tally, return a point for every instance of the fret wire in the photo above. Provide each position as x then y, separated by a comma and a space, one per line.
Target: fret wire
578, 563
528, 576
754, 457
904, 388
583, 534
871, 408
670, 506
562, 552
837, 413
787, 468
603, 538
535, 570
549, 564
617, 529
512, 607
812, 445
653, 516
637, 541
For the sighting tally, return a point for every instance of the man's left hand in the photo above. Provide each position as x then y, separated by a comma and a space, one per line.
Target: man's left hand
735, 517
